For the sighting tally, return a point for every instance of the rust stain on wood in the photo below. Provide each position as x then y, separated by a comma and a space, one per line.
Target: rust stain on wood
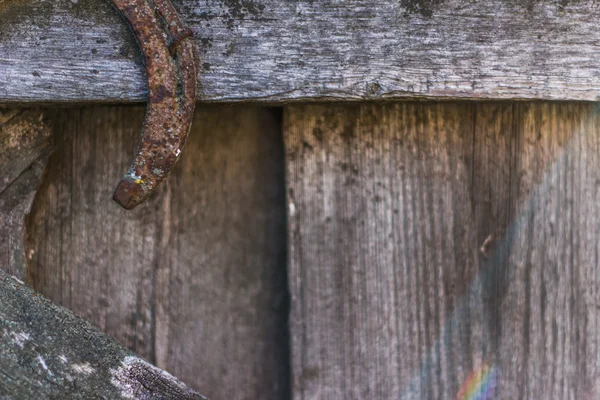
172, 66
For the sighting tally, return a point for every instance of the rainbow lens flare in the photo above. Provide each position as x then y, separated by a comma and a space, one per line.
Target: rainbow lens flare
479, 385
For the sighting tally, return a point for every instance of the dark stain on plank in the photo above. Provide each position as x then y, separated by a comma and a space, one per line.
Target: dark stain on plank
423, 7
238, 10
426, 8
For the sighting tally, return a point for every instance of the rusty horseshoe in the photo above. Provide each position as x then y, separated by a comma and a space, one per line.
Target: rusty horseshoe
171, 64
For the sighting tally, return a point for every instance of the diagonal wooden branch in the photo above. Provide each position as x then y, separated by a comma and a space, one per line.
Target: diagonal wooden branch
47, 352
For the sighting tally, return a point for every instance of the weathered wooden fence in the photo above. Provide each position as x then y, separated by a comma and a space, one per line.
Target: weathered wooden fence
381, 250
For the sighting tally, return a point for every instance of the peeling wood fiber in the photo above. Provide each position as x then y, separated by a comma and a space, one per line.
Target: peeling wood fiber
274, 50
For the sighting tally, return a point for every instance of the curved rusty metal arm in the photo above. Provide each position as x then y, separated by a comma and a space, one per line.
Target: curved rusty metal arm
171, 65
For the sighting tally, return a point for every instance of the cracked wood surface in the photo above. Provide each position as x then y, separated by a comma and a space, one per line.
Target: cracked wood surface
274, 51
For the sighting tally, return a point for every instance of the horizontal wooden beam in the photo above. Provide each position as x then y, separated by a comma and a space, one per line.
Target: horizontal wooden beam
276, 50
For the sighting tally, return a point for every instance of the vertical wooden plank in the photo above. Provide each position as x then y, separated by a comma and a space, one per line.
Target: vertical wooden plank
194, 279
221, 278
378, 241
429, 241
549, 315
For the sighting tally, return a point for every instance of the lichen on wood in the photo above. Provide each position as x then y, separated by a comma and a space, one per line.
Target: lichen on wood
49, 353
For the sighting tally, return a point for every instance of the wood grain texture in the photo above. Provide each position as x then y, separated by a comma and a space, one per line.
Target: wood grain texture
274, 50
193, 280
427, 240
47, 352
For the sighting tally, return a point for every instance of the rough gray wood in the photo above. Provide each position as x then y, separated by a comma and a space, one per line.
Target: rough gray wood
193, 280
25, 144
429, 240
275, 50
48, 353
